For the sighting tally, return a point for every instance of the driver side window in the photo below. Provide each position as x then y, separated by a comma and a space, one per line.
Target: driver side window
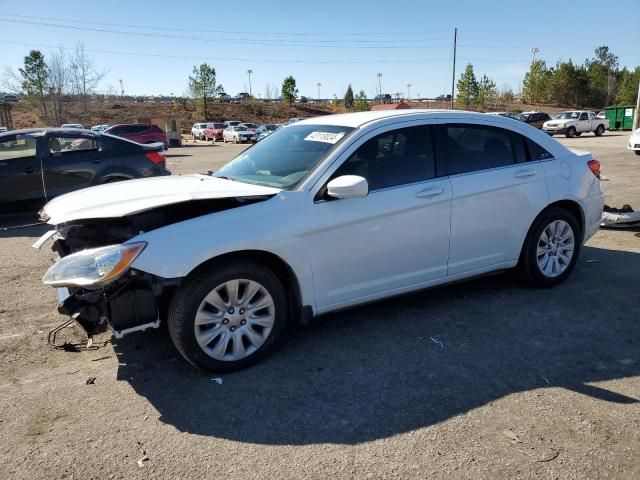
393, 158
583, 116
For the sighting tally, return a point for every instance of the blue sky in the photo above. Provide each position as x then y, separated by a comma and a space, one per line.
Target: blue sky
331, 42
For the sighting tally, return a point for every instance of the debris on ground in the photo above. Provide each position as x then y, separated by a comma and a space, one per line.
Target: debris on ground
144, 457
547, 456
512, 435
218, 380
91, 380
101, 358
624, 217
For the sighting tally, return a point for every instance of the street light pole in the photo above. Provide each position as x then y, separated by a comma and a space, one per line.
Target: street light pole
380, 84
249, 72
319, 85
409, 92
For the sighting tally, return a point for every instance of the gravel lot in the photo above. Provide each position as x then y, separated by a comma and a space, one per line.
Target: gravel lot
485, 379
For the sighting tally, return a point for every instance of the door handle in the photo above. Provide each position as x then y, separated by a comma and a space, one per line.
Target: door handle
525, 173
430, 192
30, 170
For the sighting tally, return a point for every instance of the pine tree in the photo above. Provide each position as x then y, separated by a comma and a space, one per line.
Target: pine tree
34, 79
486, 91
203, 87
348, 98
467, 88
361, 104
289, 90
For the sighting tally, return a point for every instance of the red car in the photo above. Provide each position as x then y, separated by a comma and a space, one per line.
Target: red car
140, 133
214, 131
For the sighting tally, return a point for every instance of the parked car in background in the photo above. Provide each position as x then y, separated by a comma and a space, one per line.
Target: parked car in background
535, 119
10, 97
231, 123
250, 126
241, 97
383, 98
294, 120
284, 231
214, 131
39, 164
3, 129
302, 99
238, 134
634, 141
140, 132
99, 128
197, 130
224, 98
72, 125
575, 123
265, 130
601, 115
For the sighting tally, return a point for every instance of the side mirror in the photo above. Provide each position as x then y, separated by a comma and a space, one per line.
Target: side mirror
348, 186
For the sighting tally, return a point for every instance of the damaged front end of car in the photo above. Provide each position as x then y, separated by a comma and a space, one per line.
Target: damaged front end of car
97, 285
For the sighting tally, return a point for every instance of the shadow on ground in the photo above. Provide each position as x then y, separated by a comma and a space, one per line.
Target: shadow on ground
22, 225
409, 362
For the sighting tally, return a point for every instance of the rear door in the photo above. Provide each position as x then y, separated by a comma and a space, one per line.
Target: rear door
496, 194
71, 162
20, 173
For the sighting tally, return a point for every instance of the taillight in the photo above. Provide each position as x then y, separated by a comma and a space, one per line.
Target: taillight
156, 157
594, 166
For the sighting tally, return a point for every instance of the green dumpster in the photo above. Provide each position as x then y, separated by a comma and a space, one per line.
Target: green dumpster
620, 117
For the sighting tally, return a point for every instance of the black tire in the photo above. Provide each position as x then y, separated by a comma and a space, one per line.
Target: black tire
571, 132
196, 287
637, 152
577, 134
599, 131
528, 268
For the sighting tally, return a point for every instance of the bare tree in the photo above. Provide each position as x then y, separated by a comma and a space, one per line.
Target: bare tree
60, 82
86, 76
270, 91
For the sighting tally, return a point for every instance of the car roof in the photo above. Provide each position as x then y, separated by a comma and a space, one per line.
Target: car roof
43, 130
360, 119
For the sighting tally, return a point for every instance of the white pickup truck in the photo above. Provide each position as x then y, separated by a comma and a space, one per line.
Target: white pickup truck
575, 123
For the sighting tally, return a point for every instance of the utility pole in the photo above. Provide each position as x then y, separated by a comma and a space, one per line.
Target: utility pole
249, 72
636, 117
380, 84
453, 76
409, 92
534, 50
121, 88
319, 85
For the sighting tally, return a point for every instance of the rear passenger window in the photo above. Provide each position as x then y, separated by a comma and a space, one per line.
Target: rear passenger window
393, 158
536, 152
469, 148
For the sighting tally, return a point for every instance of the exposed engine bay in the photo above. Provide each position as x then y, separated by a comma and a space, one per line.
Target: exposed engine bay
135, 300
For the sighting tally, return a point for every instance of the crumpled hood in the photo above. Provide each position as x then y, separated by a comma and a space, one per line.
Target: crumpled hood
134, 196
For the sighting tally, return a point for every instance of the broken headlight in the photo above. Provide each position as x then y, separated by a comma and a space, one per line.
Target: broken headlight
93, 267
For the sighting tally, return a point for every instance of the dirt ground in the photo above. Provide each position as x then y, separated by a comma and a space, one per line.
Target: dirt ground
485, 379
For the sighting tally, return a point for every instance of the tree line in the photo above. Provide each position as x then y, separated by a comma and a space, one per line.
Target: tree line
46, 84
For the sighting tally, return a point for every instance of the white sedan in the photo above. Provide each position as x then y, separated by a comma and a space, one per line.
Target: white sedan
239, 134
324, 214
634, 141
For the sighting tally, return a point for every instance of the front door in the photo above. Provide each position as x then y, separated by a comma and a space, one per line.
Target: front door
20, 174
497, 194
395, 238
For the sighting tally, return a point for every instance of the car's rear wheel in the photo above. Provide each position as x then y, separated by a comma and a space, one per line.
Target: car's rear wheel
551, 248
228, 316
599, 131
571, 132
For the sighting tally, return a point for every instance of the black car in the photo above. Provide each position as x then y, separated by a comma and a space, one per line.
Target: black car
535, 119
39, 164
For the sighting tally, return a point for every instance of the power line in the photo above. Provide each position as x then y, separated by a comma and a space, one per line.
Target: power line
230, 32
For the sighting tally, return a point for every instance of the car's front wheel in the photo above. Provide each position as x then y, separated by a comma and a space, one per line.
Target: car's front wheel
571, 132
637, 152
228, 316
599, 131
551, 248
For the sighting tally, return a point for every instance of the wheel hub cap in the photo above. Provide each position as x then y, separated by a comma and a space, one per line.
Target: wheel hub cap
555, 248
234, 320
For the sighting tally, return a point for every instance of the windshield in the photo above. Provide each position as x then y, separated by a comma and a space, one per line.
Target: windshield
285, 157
240, 129
570, 115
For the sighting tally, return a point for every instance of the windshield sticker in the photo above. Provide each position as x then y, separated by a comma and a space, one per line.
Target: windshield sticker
326, 137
